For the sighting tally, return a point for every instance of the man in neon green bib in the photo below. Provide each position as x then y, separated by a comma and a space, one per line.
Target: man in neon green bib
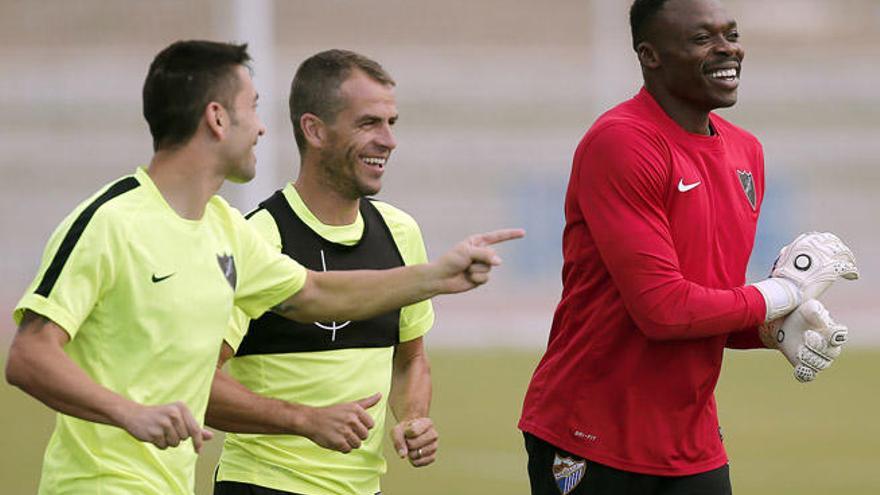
343, 108
121, 328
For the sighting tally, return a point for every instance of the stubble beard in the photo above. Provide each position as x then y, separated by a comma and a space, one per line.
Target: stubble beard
339, 173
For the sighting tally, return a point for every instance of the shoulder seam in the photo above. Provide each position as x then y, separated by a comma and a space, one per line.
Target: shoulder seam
76, 230
397, 215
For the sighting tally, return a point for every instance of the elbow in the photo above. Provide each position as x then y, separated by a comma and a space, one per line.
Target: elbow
316, 301
296, 308
663, 316
303, 311
25, 361
12, 375
16, 369
305, 306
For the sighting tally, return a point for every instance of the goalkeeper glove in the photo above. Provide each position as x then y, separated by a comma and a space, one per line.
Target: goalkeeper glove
813, 261
809, 338
805, 269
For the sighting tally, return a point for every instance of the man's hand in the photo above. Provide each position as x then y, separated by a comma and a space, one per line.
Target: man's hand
416, 440
164, 426
813, 261
467, 265
809, 338
340, 427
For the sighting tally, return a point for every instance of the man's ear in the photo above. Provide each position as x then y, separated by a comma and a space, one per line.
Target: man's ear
217, 119
314, 130
648, 56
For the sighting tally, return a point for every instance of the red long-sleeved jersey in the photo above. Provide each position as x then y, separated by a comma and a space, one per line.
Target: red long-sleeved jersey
660, 224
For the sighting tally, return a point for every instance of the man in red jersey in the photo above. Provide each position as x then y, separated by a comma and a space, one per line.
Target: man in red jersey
661, 212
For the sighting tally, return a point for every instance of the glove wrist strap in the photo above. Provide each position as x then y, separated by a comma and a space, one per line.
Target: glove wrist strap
781, 297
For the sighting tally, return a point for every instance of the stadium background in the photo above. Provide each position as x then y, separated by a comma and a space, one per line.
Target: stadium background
493, 96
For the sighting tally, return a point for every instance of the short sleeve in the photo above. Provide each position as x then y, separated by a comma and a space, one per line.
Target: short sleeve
237, 328
75, 269
267, 277
239, 322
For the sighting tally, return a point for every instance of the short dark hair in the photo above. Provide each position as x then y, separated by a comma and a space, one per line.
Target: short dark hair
641, 14
315, 87
182, 80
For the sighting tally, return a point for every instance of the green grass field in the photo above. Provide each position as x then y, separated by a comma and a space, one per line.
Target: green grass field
782, 437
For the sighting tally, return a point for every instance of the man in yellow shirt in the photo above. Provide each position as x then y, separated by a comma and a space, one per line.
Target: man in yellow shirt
343, 108
121, 327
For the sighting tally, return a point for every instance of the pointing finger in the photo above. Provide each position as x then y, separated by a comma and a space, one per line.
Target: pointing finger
496, 236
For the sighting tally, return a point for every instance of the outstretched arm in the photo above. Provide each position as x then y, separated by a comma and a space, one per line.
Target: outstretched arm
362, 294
38, 365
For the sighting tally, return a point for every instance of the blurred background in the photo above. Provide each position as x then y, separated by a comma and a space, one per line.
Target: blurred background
493, 97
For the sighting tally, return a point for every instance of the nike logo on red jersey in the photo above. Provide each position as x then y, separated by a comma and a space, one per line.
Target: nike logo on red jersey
682, 187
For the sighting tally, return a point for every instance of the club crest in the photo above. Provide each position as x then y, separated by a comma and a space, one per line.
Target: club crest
568, 473
748, 184
227, 266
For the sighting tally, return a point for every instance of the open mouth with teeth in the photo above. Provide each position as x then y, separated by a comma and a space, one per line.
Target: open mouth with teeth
374, 161
728, 77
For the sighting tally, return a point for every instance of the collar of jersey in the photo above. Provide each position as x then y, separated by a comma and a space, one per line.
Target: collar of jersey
347, 235
144, 179
668, 123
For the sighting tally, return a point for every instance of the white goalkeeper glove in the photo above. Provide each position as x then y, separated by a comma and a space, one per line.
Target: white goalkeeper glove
803, 270
809, 338
813, 261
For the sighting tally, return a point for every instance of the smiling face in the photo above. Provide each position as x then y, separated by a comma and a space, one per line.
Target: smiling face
245, 129
360, 138
698, 55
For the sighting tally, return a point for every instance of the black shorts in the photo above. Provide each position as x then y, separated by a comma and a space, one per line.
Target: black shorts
553, 471
236, 488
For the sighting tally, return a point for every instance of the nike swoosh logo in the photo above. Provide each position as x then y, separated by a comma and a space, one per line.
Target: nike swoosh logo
159, 279
682, 187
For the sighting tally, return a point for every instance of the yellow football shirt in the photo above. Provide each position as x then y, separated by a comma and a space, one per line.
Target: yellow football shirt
293, 463
146, 297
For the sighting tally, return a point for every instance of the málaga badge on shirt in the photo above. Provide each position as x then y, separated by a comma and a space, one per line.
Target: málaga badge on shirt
748, 185
568, 473
227, 266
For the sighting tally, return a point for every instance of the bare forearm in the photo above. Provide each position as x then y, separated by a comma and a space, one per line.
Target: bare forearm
360, 294
411, 389
234, 408
363, 294
49, 375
